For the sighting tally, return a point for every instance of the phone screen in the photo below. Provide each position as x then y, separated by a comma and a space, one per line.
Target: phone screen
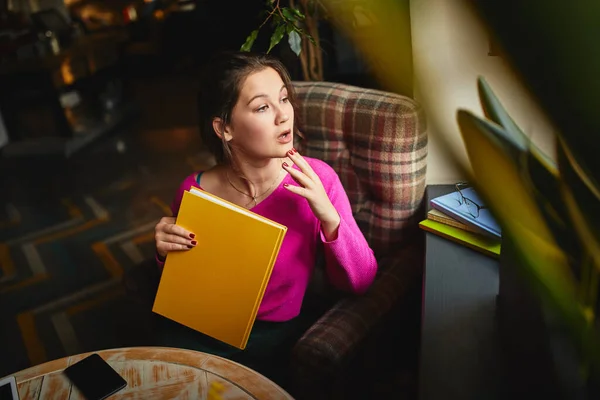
8, 389
95, 378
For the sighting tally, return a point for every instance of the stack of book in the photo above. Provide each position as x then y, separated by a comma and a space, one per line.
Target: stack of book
467, 224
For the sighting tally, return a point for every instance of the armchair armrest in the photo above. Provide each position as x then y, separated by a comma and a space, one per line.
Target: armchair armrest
330, 342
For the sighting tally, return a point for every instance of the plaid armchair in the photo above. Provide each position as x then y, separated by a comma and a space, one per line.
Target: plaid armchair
377, 143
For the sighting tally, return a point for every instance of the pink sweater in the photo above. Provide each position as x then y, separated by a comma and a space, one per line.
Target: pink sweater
350, 262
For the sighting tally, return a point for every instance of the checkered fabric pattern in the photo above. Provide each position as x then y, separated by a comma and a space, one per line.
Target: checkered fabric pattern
377, 143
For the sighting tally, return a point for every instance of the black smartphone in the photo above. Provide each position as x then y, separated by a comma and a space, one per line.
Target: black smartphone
8, 388
95, 378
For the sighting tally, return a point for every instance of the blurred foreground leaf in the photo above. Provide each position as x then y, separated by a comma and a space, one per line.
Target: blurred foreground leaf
537, 170
498, 181
553, 47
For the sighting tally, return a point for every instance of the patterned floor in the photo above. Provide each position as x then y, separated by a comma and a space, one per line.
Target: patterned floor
69, 230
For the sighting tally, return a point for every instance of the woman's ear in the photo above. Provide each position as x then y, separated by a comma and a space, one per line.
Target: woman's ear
221, 129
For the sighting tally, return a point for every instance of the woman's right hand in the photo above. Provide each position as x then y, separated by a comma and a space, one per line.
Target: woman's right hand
171, 237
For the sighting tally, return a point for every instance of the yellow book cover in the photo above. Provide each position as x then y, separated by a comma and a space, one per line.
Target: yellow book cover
481, 243
216, 288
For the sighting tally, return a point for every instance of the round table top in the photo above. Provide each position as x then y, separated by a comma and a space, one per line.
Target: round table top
155, 373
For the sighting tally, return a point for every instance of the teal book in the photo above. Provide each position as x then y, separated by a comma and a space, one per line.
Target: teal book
484, 222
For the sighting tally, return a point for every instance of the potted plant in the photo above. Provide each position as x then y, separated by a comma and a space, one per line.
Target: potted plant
300, 21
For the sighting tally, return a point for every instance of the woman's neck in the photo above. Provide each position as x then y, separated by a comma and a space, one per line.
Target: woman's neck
254, 177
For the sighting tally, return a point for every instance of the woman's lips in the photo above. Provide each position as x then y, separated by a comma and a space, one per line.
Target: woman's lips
285, 137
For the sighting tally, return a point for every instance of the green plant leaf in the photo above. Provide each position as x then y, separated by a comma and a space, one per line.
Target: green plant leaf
541, 52
583, 207
301, 32
247, 46
539, 172
288, 14
276, 20
583, 172
276, 37
298, 13
291, 14
516, 210
513, 203
493, 109
295, 42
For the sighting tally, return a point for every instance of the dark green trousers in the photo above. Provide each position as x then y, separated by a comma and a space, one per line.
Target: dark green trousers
270, 343
267, 352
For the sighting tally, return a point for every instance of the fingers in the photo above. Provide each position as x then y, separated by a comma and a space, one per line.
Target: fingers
171, 237
297, 189
167, 243
167, 220
179, 231
305, 177
165, 247
167, 225
177, 240
301, 163
298, 176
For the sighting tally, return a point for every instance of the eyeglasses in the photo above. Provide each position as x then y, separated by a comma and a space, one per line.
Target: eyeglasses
472, 207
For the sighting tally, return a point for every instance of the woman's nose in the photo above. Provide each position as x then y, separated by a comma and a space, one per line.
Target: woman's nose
282, 117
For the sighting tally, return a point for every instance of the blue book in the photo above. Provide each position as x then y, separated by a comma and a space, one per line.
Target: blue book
469, 212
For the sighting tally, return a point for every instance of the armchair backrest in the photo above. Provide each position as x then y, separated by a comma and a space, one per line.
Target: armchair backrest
377, 143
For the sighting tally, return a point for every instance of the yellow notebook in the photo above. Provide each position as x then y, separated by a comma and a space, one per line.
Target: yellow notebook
217, 287
478, 242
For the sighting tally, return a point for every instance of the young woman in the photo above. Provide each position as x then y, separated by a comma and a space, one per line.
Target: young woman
247, 120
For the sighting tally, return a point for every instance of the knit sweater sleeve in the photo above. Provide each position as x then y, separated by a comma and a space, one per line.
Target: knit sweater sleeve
350, 262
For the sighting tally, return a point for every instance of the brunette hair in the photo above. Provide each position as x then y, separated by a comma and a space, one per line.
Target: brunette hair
220, 86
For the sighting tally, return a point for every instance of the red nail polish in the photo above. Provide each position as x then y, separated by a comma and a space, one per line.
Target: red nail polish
294, 150
194, 242
285, 185
285, 164
291, 152
190, 246
192, 236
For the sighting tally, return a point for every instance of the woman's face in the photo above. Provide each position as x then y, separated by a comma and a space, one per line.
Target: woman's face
262, 121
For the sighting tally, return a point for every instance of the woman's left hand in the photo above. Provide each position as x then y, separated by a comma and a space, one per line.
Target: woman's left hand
311, 188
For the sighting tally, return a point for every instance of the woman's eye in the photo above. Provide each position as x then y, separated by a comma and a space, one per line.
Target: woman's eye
262, 108
285, 100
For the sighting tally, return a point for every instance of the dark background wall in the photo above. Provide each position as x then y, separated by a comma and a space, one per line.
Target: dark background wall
226, 24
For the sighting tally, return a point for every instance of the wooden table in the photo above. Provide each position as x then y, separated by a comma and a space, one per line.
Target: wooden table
155, 373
